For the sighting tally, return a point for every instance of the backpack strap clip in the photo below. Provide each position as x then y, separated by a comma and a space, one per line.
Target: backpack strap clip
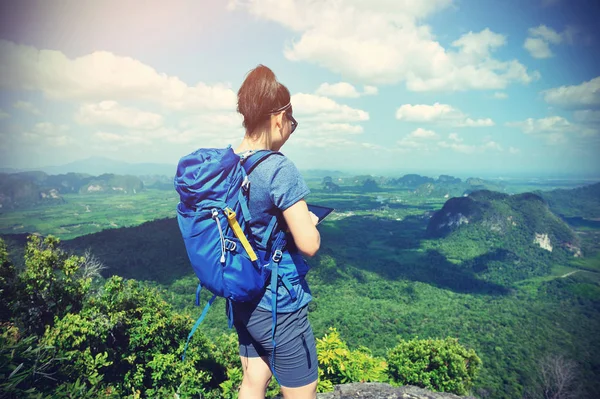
277, 255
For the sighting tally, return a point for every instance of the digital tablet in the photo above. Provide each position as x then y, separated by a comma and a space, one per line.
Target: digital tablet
320, 211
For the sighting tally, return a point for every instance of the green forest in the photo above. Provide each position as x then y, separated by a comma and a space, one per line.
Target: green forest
478, 307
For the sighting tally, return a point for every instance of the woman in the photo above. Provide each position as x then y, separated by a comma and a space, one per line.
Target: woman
276, 189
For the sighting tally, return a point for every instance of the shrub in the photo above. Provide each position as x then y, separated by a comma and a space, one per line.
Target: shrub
440, 365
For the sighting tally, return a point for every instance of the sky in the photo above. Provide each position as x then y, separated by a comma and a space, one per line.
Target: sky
463, 87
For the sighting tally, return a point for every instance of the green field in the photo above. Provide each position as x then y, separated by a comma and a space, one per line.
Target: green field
86, 214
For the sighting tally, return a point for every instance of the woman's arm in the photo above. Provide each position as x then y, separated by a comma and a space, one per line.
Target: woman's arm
302, 225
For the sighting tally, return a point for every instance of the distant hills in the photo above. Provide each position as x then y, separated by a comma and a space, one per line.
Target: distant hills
509, 237
583, 202
96, 166
24, 189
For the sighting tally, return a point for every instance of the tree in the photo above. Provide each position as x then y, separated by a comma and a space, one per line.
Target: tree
440, 365
557, 378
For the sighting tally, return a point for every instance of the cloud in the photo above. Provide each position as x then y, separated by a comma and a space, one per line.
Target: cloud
540, 38
500, 95
344, 90
423, 134
554, 129
384, 42
27, 106
102, 75
345, 128
341, 89
456, 143
110, 113
586, 94
46, 134
442, 114
370, 90
3, 114
538, 48
587, 116
514, 150
419, 139
322, 109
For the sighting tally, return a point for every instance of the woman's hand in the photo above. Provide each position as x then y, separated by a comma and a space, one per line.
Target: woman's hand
302, 224
314, 218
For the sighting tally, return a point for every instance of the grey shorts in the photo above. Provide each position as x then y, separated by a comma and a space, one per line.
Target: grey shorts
295, 359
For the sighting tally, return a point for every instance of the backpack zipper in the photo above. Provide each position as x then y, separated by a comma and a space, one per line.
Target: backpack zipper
215, 216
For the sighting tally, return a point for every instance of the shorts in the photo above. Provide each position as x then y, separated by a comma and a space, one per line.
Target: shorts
295, 362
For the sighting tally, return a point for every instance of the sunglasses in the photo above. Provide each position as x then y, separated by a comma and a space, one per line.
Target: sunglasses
288, 114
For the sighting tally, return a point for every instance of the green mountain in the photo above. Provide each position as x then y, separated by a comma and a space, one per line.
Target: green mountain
26, 189
504, 238
582, 202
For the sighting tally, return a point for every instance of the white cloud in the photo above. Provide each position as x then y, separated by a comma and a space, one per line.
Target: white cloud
423, 134
540, 38
386, 42
27, 106
538, 48
443, 114
454, 137
583, 95
323, 109
102, 75
500, 95
547, 34
370, 90
419, 139
514, 150
587, 116
555, 129
344, 90
110, 113
456, 143
341, 89
3, 114
46, 134
344, 128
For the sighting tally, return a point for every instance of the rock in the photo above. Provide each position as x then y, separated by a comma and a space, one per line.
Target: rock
376, 390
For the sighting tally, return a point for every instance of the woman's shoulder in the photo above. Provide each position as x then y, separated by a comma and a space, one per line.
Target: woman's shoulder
277, 163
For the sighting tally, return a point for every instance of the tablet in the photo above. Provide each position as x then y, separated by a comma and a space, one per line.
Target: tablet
320, 211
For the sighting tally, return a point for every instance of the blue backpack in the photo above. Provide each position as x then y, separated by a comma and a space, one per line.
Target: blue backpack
213, 218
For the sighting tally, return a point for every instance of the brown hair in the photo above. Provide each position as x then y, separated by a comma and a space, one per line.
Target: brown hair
260, 94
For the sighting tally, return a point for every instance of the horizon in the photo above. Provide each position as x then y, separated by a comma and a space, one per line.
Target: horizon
504, 88
386, 173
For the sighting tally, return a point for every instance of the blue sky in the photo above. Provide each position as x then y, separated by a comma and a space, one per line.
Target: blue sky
488, 88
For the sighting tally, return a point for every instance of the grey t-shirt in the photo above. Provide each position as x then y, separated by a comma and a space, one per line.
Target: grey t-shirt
275, 185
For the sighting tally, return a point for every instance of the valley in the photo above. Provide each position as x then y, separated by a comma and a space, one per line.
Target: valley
381, 274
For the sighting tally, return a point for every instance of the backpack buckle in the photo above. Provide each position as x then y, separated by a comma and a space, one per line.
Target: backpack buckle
246, 183
277, 255
230, 245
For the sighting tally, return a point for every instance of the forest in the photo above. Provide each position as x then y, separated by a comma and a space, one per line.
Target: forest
483, 293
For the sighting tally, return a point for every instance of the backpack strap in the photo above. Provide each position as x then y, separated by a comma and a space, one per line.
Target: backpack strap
202, 316
252, 160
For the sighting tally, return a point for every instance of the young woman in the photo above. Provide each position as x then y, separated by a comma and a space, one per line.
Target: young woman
276, 189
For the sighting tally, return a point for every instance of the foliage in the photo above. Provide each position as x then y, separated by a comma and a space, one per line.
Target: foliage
441, 365
51, 285
340, 365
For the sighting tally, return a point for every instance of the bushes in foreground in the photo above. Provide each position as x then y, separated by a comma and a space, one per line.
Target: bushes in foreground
62, 338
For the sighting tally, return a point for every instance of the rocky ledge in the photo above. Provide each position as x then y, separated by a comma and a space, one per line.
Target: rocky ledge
375, 390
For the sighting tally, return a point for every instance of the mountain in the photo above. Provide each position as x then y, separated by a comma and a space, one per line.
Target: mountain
504, 238
582, 202
24, 189
100, 165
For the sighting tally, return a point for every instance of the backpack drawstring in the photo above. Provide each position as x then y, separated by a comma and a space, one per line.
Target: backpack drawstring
215, 215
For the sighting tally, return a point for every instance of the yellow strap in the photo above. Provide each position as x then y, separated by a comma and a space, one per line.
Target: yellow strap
237, 230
